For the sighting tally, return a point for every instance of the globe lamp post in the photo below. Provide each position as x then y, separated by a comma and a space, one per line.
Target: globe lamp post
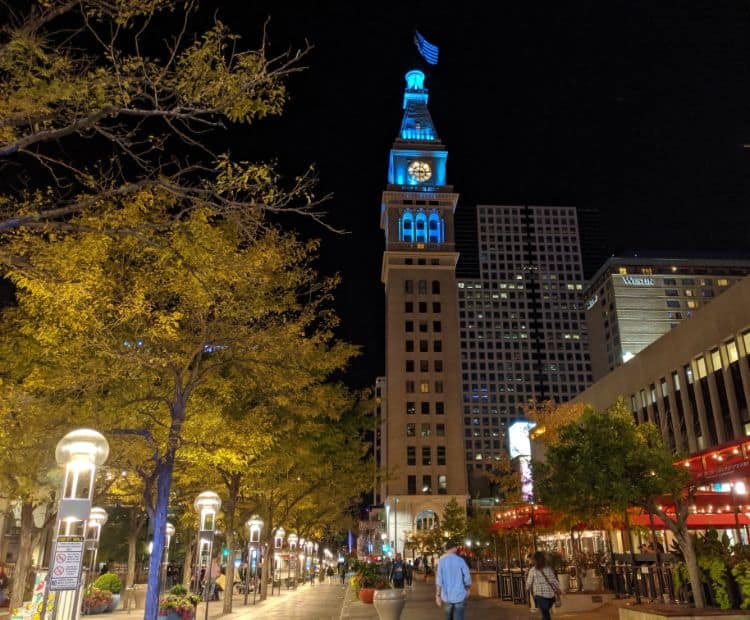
207, 504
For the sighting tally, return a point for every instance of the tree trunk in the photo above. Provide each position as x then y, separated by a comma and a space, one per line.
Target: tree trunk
187, 564
134, 530
685, 543
163, 485
229, 535
267, 556
23, 564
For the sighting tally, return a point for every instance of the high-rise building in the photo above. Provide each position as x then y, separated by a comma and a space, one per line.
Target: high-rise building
422, 439
521, 324
632, 301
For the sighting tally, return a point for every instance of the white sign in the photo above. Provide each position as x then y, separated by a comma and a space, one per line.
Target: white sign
638, 281
67, 559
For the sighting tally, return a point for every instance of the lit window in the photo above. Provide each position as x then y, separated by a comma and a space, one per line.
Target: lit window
426, 430
746, 342
424, 387
722, 282
715, 360
411, 430
700, 365
732, 354
623, 271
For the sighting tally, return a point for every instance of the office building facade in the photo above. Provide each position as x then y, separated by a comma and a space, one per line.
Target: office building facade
693, 383
631, 302
521, 325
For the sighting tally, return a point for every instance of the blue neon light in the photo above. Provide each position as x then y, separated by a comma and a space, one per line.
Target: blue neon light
421, 228
415, 80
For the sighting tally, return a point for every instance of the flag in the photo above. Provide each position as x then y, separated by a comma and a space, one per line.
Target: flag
428, 51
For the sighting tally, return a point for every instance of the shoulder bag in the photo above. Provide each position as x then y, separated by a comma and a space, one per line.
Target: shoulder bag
558, 600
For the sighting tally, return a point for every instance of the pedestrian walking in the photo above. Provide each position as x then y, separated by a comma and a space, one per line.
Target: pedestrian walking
342, 572
542, 584
409, 573
452, 583
398, 571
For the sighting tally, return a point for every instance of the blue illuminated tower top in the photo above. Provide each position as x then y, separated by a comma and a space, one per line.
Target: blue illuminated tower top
418, 158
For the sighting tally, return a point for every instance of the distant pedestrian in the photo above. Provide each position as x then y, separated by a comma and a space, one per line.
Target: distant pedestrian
398, 572
542, 584
452, 583
409, 573
342, 572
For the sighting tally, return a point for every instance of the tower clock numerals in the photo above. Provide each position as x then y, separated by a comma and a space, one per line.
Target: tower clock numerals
419, 171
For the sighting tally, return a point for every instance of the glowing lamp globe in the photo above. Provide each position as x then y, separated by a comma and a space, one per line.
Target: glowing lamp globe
208, 500
170, 530
83, 444
97, 516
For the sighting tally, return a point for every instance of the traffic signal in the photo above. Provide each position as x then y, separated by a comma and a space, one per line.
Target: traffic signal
225, 552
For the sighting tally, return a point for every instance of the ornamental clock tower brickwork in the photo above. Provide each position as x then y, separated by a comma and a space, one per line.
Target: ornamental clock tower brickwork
423, 429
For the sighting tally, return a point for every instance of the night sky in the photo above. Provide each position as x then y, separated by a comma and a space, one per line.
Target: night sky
637, 109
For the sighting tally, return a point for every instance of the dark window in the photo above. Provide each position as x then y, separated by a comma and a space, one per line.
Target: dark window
423, 306
437, 326
411, 485
426, 455
411, 455
441, 455
411, 408
425, 406
673, 303
426, 484
436, 306
440, 430
438, 387
408, 286
438, 365
437, 346
423, 346
410, 387
409, 326
440, 408
423, 326
424, 366
409, 346
409, 365
435, 287
409, 306
423, 287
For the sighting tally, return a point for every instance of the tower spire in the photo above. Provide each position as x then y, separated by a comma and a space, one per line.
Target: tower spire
417, 125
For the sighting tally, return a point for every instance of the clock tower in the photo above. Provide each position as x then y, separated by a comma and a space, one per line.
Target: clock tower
423, 430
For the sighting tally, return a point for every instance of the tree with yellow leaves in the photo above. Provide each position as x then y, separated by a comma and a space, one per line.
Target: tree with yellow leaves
145, 327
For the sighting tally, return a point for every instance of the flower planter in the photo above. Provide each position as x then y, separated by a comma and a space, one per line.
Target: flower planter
366, 594
389, 603
100, 609
115, 602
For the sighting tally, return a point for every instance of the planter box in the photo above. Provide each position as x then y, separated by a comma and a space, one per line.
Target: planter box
366, 595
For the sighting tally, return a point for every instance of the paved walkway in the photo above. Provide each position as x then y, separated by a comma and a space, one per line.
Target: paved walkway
325, 601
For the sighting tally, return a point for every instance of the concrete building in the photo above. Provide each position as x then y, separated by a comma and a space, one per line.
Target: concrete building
630, 302
422, 434
521, 324
694, 381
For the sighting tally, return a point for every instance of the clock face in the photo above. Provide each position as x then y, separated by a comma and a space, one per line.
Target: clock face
419, 171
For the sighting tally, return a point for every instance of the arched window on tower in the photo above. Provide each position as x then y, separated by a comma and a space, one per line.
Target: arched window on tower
406, 227
420, 232
436, 228
426, 520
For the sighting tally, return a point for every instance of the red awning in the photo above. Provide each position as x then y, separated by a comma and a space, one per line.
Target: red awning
697, 521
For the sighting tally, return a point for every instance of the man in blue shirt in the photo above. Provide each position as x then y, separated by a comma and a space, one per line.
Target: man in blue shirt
452, 582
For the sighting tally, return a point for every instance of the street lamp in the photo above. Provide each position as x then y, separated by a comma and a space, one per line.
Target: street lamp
207, 504
97, 518
278, 544
292, 540
395, 526
254, 526
168, 533
80, 452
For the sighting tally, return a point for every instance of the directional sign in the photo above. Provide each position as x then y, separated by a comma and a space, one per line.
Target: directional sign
67, 559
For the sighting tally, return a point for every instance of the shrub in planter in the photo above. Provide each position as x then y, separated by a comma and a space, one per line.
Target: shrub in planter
96, 601
110, 582
178, 606
368, 577
741, 573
